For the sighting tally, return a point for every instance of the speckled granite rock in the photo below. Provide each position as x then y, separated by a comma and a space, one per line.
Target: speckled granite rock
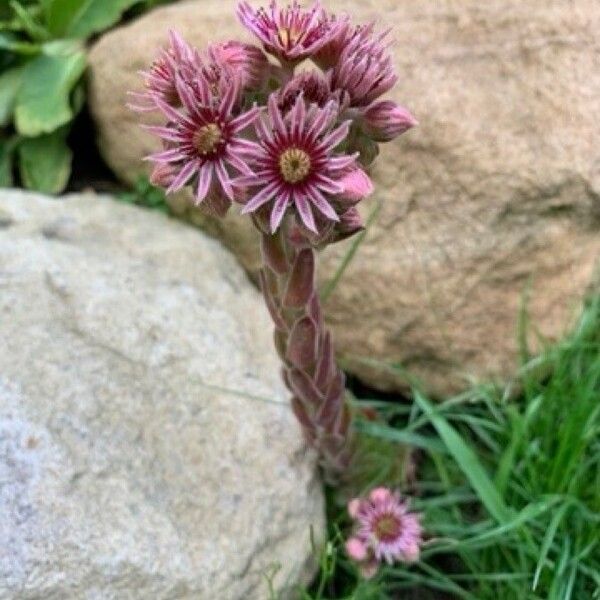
127, 468
498, 189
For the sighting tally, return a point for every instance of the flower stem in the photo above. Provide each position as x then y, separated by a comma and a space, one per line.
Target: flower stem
305, 347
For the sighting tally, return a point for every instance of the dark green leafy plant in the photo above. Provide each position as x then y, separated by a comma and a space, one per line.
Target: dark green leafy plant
42, 61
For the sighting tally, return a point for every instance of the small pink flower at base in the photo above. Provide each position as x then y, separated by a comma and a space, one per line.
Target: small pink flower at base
385, 529
248, 60
383, 121
291, 33
295, 165
204, 139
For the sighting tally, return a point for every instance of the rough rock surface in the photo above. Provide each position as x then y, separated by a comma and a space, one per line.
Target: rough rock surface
127, 470
497, 191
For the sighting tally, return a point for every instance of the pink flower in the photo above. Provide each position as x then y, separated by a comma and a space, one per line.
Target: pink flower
292, 33
329, 54
248, 60
159, 80
313, 86
295, 163
203, 140
385, 530
383, 121
364, 70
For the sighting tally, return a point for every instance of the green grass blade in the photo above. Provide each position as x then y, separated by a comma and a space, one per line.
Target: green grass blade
468, 462
358, 240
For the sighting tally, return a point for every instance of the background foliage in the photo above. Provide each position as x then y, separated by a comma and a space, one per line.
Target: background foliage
42, 64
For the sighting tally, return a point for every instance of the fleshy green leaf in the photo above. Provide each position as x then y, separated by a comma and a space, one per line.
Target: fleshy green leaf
10, 81
45, 162
43, 102
81, 18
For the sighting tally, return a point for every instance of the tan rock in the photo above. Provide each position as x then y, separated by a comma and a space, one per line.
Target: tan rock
147, 450
496, 194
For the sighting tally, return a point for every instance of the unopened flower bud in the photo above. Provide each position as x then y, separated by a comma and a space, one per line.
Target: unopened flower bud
162, 175
350, 223
250, 61
356, 550
357, 186
383, 121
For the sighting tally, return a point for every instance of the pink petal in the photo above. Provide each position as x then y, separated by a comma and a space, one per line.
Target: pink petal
204, 181
321, 203
305, 212
244, 119
223, 177
278, 210
264, 195
183, 176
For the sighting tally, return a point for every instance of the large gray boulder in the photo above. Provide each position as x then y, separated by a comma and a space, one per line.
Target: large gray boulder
146, 446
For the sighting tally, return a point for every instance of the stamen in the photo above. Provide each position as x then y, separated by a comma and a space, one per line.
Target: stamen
294, 165
207, 138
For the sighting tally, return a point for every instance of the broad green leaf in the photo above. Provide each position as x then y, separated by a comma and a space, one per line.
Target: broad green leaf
45, 162
43, 102
10, 81
468, 462
81, 18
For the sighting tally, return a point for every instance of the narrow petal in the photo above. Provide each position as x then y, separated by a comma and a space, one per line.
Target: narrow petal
275, 115
321, 203
244, 120
265, 195
171, 155
183, 176
328, 185
230, 97
340, 163
170, 112
278, 210
204, 181
305, 212
239, 164
224, 179
242, 145
336, 136
189, 100
166, 133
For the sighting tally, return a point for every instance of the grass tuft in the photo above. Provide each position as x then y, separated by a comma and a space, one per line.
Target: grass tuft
509, 489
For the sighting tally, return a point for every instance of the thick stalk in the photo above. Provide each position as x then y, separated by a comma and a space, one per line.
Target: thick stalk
305, 346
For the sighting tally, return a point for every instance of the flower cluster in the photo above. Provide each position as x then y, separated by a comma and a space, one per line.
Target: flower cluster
241, 125
303, 153
385, 530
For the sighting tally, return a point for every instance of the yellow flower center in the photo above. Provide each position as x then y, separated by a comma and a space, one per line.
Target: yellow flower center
386, 528
207, 138
294, 165
289, 36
